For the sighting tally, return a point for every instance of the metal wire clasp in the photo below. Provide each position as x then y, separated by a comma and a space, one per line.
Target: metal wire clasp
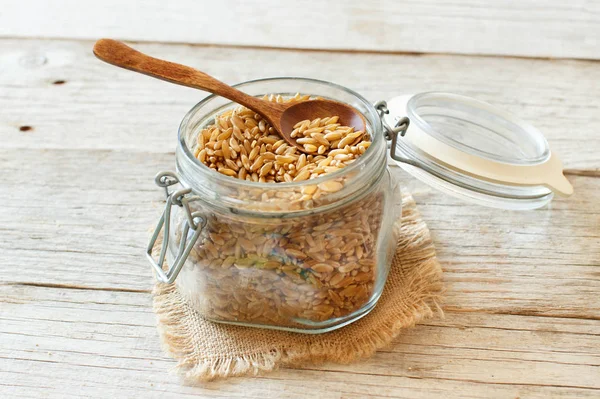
194, 223
392, 133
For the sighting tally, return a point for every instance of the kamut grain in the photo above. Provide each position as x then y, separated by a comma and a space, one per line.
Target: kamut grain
240, 133
295, 270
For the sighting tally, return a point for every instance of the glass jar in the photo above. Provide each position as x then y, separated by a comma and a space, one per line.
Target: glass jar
313, 256
306, 256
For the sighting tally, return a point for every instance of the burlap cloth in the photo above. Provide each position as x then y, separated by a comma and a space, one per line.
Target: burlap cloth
205, 350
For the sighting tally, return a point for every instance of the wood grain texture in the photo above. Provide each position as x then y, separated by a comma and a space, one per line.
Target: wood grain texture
523, 315
67, 343
551, 28
101, 205
77, 201
101, 106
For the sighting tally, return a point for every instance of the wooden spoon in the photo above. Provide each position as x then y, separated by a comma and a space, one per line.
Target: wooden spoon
282, 117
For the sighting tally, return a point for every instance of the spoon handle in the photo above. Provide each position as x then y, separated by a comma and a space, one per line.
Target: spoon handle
121, 55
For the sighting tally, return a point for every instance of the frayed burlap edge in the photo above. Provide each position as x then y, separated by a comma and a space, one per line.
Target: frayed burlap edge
412, 294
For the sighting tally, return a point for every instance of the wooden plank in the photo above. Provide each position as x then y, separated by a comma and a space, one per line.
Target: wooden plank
72, 341
93, 208
93, 223
527, 28
101, 106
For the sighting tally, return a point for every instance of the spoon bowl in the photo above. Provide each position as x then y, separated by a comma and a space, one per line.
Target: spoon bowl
282, 117
319, 108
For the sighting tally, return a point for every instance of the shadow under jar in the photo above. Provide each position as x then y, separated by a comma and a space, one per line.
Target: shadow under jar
308, 256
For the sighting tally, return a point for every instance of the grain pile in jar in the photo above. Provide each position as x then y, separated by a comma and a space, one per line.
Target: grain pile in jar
289, 271
242, 144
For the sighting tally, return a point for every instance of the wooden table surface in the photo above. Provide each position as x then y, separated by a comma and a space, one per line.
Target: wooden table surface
81, 141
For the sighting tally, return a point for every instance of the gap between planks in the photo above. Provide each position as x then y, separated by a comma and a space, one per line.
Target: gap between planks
75, 287
309, 49
450, 309
582, 172
449, 379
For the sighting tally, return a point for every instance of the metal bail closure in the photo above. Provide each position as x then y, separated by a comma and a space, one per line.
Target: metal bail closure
392, 133
194, 223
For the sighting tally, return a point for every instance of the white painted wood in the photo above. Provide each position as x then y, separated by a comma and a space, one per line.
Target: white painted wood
98, 207
77, 202
81, 343
101, 106
551, 28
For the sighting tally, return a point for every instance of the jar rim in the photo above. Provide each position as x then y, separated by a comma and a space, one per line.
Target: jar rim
370, 153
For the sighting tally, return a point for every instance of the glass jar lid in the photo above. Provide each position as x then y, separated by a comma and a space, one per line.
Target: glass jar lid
471, 149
